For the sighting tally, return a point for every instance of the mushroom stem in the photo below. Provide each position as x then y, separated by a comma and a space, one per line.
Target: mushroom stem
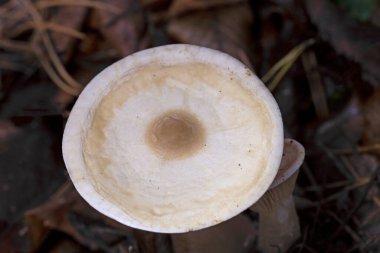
278, 221
279, 226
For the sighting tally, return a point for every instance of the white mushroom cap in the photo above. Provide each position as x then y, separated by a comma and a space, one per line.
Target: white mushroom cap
173, 139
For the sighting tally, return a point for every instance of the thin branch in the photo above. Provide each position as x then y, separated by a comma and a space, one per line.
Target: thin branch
329, 185
55, 78
359, 149
357, 184
15, 45
348, 229
48, 26
50, 48
358, 204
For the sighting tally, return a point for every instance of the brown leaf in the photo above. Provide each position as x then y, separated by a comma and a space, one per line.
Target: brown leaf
155, 5
372, 119
54, 215
227, 29
357, 41
71, 17
179, 7
64, 246
12, 15
125, 31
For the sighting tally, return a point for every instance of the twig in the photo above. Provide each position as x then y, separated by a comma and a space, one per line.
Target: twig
48, 26
8, 65
52, 55
373, 214
359, 149
16, 45
348, 229
330, 185
310, 176
55, 78
370, 217
357, 184
341, 167
302, 245
376, 200
358, 204
315, 220
49, 47
371, 241
349, 166
58, 64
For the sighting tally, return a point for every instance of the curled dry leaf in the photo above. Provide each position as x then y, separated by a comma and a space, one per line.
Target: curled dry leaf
227, 29
357, 41
12, 14
179, 7
57, 214
71, 17
125, 31
54, 215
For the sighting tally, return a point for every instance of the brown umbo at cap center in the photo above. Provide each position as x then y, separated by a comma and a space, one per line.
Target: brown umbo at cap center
175, 134
152, 143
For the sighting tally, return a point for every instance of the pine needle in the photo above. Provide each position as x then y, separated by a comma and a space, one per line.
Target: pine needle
278, 71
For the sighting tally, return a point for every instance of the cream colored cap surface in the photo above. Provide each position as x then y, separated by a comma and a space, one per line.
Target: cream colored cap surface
173, 139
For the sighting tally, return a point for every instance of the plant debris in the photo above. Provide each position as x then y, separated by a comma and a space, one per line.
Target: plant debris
319, 58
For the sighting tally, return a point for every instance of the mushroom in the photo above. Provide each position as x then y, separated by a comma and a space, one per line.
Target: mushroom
231, 236
278, 221
237, 234
173, 139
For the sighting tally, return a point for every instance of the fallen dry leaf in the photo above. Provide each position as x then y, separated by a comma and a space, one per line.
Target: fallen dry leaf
61, 212
179, 7
125, 31
12, 15
64, 246
71, 17
54, 215
357, 41
155, 5
227, 29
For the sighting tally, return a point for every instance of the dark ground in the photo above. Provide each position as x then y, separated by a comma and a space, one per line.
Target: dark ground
329, 98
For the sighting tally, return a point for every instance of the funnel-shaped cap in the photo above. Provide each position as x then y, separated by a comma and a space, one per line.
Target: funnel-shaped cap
173, 139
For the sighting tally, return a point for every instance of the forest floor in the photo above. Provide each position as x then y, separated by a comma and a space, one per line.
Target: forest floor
319, 58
